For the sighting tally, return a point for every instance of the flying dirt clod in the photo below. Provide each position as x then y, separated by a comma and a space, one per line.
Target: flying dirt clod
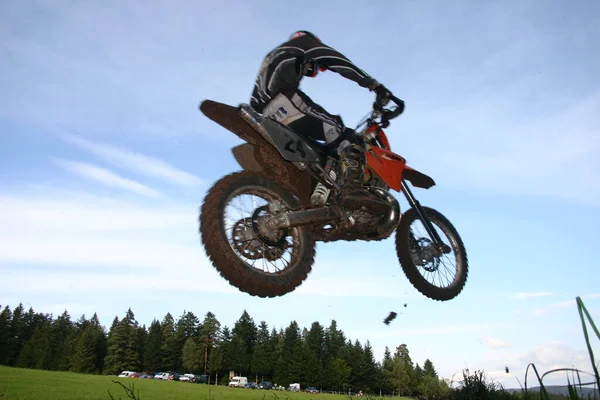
390, 318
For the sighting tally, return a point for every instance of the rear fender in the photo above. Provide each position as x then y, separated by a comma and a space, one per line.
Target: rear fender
264, 158
229, 118
244, 155
289, 144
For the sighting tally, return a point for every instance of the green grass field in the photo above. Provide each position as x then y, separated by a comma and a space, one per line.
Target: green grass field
30, 384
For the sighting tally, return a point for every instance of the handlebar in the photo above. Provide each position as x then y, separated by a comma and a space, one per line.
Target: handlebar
387, 115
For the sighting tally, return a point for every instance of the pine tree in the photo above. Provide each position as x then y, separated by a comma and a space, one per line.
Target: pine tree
400, 377
84, 359
312, 356
15, 337
186, 327
283, 368
418, 376
209, 334
152, 350
315, 339
243, 339
5, 323
226, 349
101, 340
68, 348
123, 351
404, 371
113, 352
168, 350
264, 352
339, 373
312, 369
133, 345
58, 339
386, 371
428, 369
370, 368
215, 362
142, 337
33, 353
192, 356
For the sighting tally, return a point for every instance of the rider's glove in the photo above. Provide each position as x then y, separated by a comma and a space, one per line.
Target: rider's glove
372, 85
383, 94
382, 91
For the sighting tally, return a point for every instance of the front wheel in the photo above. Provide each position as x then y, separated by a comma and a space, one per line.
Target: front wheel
419, 258
242, 252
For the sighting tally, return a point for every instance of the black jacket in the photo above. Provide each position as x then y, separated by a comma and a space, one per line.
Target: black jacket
285, 66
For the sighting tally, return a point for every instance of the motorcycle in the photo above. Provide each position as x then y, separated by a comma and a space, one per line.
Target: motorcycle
297, 177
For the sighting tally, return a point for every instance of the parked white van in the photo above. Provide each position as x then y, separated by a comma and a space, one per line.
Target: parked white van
127, 374
238, 381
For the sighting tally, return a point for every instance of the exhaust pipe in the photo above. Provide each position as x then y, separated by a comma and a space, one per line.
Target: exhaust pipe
253, 120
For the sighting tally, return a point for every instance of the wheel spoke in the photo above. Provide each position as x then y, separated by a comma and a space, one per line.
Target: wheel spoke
248, 242
423, 263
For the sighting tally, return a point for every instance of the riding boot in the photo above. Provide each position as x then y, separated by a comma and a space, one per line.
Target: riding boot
354, 196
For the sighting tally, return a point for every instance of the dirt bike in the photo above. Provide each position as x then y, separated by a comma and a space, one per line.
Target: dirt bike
298, 179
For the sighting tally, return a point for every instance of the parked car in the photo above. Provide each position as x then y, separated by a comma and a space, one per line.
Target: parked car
238, 381
294, 387
188, 378
201, 379
128, 374
167, 376
265, 385
250, 385
311, 389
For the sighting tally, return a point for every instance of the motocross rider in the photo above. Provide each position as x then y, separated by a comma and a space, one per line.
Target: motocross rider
277, 95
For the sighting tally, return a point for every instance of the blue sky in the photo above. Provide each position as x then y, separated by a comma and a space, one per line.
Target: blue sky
105, 159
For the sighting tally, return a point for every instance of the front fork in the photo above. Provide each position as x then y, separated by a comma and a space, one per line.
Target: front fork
414, 203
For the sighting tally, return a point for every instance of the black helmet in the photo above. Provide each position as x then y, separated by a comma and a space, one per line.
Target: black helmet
302, 33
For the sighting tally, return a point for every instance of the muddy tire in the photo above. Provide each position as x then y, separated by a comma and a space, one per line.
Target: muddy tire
404, 242
228, 262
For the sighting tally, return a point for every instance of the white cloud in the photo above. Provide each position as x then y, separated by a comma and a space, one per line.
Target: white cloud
525, 149
556, 355
494, 343
561, 305
530, 295
82, 213
554, 307
106, 177
545, 356
133, 161
99, 240
143, 281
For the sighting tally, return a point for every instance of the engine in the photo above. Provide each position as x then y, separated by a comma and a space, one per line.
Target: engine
359, 225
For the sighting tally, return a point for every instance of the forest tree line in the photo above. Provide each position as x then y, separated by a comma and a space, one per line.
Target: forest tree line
317, 356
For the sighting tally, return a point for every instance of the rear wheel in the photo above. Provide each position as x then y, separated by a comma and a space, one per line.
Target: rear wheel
420, 260
257, 262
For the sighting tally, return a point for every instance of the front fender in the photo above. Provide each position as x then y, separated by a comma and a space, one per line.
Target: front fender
417, 178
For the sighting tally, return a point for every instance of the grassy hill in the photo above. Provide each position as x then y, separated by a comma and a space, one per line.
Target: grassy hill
30, 384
